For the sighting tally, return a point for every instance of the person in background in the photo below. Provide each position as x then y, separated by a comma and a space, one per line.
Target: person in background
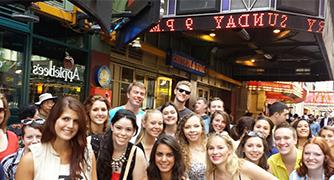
97, 108
8, 140
45, 103
63, 152
171, 118
135, 93
201, 108
220, 122
326, 120
182, 93
317, 161
31, 134
117, 152
152, 125
166, 161
25, 112
244, 124
265, 126
327, 132
253, 147
191, 137
223, 163
278, 112
216, 104
289, 157
314, 126
303, 132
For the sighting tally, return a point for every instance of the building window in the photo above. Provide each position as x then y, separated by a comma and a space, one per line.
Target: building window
11, 66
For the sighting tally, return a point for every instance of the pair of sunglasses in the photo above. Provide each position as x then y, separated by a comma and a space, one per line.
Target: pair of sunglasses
182, 90
2, 109
39, 121
255, 134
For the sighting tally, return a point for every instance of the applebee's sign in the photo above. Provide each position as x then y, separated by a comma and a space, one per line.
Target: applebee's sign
57, 72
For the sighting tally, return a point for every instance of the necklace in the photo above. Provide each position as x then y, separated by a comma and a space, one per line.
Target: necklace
116, 163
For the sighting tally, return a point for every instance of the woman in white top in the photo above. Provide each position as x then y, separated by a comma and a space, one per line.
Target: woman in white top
63, 152
317, 162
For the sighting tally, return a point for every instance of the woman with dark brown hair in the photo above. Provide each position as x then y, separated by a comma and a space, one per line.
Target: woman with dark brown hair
166, 162
317, 161
63, 152
97, 108
8, 140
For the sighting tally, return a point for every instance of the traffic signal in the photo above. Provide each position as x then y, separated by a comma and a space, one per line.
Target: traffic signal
144, 14
99, 10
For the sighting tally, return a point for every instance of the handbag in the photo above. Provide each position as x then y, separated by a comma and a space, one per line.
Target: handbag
126, 172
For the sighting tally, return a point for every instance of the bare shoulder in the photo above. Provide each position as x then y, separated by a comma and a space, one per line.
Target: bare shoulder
25, 169
255, 172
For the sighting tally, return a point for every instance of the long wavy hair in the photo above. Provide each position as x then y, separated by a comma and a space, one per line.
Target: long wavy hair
88, 105
233, 162
78, 143
178, 170
269, 138
328, 164
104, 158
146, 117
3, 124
240, 150
226, 119
184, 143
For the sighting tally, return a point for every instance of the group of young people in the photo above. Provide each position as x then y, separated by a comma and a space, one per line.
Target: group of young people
90, 141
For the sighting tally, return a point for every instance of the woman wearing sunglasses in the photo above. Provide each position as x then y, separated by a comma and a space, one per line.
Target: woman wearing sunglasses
31, 134
8, 140
317, 161
223, 163
253, 147
63, 152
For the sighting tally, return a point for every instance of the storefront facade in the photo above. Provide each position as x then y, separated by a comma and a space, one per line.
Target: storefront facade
38, 58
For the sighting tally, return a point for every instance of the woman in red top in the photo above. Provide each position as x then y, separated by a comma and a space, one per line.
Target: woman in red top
8, 140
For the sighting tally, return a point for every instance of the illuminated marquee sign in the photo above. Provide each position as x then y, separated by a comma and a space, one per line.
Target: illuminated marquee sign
184, 62
245, 20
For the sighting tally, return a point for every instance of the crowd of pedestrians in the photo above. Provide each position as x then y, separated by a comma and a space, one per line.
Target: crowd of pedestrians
62, 138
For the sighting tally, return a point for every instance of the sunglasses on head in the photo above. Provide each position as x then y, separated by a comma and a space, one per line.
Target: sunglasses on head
255, 134
182, 90
2, 109
30, 121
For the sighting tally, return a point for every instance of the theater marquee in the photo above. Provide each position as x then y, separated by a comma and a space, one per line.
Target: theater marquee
244, 20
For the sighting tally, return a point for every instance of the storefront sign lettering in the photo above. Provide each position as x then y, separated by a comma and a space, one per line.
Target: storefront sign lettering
185, 62
244, 20
58, 72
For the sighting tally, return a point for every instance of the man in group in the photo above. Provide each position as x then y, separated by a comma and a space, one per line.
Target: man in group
325, 121
182, 94
288, 158
201, 108
135, 93
216, 104
278, 113
45, 104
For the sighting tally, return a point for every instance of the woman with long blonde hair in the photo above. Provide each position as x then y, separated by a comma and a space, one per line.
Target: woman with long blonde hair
191, 136
223, 163
152, 125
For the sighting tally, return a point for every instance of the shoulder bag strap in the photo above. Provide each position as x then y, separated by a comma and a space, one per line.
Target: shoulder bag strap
126, 172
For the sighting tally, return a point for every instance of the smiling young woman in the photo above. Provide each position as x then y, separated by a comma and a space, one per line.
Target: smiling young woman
118, 158
166, 162
317, 161
63, 151
223, 163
